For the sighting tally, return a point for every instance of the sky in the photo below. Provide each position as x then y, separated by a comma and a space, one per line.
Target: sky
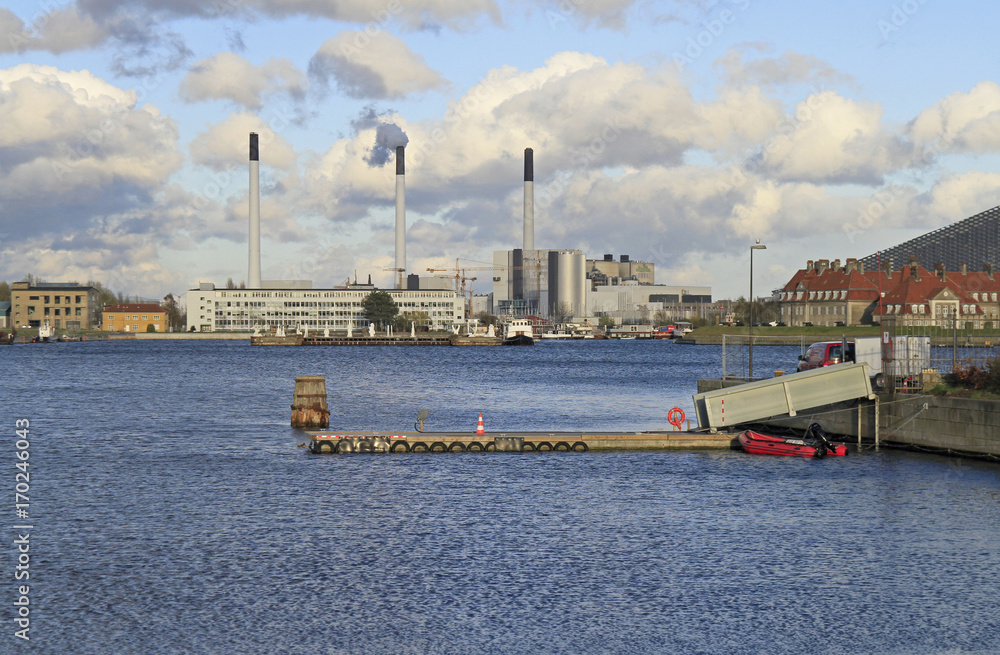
676, 131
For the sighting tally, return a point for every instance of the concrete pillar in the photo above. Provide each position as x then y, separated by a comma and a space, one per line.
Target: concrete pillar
309, 409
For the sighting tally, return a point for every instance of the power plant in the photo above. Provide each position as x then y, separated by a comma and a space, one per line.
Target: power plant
526, 281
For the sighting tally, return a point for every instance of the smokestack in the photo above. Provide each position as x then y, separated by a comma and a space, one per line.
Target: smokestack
400, 218
529, 199
253, 273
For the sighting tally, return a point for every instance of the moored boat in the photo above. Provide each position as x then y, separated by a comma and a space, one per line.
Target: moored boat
519, 333
813, 443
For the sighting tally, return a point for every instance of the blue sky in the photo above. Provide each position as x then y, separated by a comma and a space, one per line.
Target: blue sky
676, 131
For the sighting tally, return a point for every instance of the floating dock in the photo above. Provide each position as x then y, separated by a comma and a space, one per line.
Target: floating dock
330, 442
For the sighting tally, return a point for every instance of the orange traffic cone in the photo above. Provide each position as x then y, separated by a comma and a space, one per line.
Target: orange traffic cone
479, 428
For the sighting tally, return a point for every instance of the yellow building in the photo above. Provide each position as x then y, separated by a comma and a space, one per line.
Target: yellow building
134, 317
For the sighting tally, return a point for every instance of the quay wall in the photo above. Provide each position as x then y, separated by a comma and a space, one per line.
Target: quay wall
950, 425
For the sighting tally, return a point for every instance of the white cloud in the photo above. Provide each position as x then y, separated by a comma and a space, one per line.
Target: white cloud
379, 66
961, 122
72, 143
415, 14
57, 31
228, 76
225, 145
831, 139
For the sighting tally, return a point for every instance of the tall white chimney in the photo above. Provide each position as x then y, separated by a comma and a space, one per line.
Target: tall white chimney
253, 274
400, 219
529, 199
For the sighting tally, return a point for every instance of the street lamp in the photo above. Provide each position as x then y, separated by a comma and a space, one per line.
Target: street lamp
752, 248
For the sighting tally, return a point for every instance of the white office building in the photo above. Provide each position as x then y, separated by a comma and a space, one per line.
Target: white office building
241, 310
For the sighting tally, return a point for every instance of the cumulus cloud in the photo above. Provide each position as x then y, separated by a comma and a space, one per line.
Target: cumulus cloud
961, 122
379, 66
228, 76
74, 146
225, 145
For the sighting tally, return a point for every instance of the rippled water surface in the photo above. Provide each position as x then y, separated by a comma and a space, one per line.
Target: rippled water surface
176, 512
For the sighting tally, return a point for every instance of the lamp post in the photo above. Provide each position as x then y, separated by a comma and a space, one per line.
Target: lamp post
752, 248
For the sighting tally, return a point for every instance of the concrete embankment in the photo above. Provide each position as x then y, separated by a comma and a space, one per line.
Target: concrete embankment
962, 426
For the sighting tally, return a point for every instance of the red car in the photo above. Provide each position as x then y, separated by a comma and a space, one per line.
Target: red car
825, 353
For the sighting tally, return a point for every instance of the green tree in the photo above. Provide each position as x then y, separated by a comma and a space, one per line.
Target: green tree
485, 318
175, 317
4, 291
105, 296
379, 307
606, 322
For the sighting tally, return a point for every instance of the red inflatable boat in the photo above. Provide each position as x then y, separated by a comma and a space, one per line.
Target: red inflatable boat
813, 444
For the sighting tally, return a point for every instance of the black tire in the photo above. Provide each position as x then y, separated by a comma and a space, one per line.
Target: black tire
543, 446
580, 447
438, 447
527, 447
419, 447
491, 446
562, 445
457, 447
345, 446
325, 447
399, 447
475, 447
878, 381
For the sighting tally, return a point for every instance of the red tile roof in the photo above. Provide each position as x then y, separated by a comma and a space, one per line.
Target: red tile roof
149, 308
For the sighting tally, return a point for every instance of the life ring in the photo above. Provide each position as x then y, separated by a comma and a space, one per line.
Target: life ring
675, 417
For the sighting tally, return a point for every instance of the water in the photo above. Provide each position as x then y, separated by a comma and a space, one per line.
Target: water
175, 512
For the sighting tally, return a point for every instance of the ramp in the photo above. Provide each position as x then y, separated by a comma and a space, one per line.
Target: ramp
788, 394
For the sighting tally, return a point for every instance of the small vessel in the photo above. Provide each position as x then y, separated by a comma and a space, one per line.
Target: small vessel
814, 443
519, 333
45, 333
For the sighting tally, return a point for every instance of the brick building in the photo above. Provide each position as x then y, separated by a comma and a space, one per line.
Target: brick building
134, 317
829, 294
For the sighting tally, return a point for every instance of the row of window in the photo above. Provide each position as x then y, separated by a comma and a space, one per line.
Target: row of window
58, 299
48, 311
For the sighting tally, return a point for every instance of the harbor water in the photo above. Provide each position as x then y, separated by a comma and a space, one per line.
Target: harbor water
174, 510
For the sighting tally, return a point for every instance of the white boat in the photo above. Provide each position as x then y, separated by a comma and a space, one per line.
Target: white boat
46, 332
519, 333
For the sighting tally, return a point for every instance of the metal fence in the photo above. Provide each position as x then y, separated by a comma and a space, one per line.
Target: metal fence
904, 368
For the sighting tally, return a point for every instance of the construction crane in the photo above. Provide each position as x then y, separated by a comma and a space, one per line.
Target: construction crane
460, 279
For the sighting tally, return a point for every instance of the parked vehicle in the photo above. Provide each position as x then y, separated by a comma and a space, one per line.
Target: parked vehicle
826, 353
